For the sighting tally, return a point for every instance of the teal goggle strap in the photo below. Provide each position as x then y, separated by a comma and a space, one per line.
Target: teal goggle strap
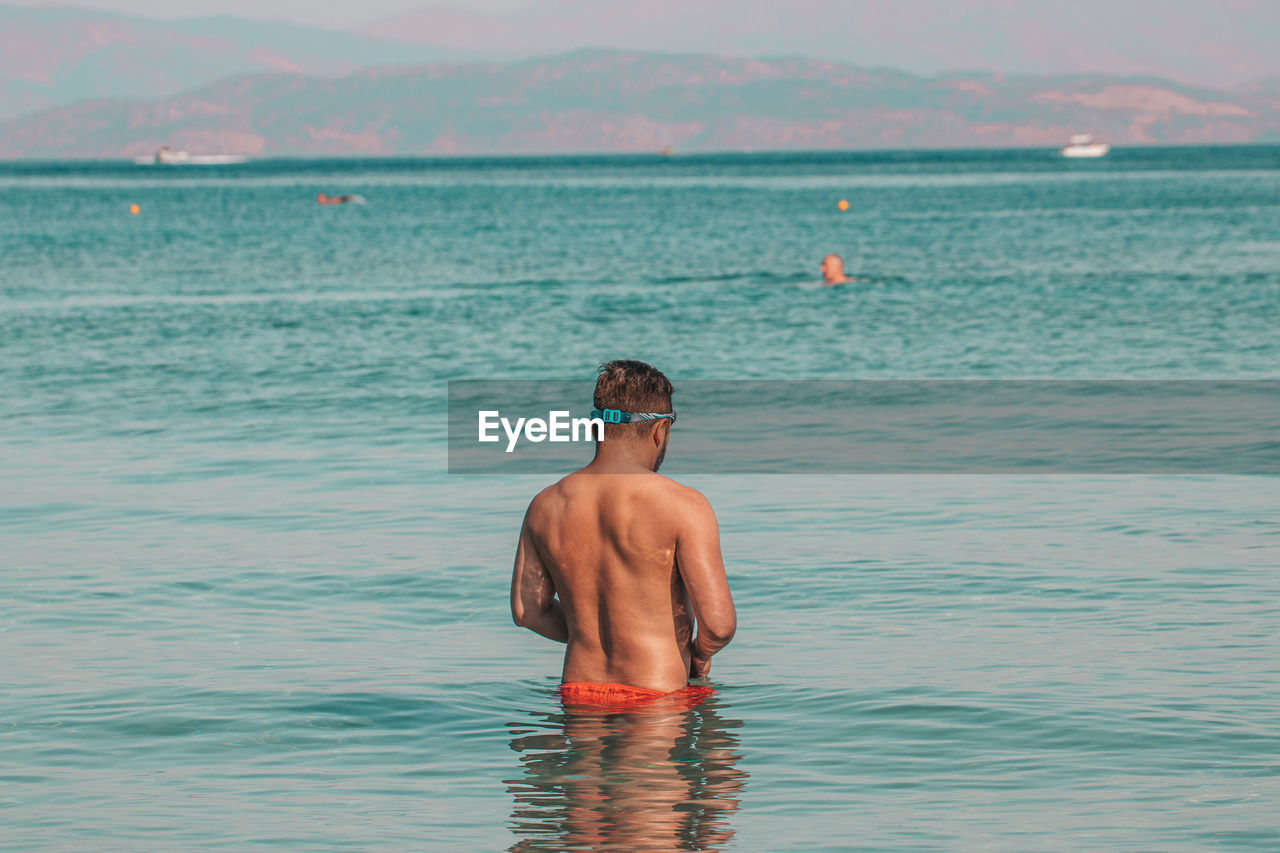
615, 416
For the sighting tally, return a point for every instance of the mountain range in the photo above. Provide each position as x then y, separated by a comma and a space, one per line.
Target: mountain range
605, 101
58, 55
1223, 43
78, 83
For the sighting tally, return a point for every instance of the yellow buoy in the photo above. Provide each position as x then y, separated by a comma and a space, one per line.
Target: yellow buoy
843, 204
134, 209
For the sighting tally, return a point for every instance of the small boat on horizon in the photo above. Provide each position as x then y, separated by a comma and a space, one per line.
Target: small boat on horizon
166, 156
1082, 145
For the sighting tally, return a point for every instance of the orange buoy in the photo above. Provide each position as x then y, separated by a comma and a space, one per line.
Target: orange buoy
843, 204
134, 209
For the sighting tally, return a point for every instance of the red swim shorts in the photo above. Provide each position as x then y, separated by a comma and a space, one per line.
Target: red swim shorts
590, 696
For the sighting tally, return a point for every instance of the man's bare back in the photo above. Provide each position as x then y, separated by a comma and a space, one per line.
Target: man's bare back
618, 561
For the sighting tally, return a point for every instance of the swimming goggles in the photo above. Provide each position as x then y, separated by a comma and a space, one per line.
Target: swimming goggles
615, 416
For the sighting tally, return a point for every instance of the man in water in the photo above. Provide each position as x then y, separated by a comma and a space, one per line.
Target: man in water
833, 270
616, 560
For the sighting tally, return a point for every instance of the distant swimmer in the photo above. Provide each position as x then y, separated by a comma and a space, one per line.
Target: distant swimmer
334, 199
617, 561
833, 270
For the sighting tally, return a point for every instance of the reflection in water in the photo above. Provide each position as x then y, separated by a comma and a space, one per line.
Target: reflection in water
651, 779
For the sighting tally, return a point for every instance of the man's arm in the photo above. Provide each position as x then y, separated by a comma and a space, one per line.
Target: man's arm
533, 595
702, 569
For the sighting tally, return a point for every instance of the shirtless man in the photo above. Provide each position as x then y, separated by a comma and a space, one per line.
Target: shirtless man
617, 561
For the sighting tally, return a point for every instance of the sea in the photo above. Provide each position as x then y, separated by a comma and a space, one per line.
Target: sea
245, 605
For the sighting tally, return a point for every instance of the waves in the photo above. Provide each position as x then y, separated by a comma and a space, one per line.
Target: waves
243, 603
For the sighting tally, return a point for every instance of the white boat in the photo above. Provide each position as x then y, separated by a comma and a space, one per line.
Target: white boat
169, 157
1082, 145
166, 156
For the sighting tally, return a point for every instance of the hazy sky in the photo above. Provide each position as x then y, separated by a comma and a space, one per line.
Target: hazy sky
1215, 42
299, 11
350, 14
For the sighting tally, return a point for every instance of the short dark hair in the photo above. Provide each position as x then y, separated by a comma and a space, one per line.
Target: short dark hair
632, 386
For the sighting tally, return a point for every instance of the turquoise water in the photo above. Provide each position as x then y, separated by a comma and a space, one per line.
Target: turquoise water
242, 604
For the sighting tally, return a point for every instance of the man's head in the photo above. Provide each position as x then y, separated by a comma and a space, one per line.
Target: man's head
633, 386
833, 269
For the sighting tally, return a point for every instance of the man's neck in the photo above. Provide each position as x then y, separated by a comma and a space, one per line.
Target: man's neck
622, 457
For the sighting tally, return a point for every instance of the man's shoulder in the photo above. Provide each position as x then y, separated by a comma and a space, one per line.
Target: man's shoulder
681, 491
549, 495
685, 503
